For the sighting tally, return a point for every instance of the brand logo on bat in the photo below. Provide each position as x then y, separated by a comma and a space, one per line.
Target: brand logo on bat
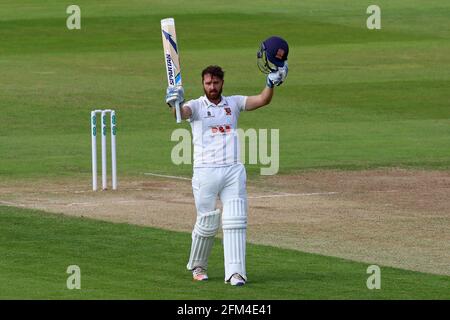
170, 69
169, 38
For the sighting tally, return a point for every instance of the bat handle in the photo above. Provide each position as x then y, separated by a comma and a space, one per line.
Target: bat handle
177, 111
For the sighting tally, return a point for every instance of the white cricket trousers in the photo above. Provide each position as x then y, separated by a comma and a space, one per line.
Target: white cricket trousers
229, 184
226, 182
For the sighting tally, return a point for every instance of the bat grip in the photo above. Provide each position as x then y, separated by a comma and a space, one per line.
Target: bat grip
177, 111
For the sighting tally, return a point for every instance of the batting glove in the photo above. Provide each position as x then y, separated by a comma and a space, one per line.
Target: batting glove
276, 78
174, 94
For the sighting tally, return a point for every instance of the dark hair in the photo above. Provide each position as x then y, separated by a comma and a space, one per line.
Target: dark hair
214, 71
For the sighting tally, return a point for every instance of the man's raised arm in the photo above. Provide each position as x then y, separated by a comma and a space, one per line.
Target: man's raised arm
175, 94
255, 102
275, 78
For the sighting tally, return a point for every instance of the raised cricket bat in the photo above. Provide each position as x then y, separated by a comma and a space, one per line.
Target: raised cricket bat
172, 57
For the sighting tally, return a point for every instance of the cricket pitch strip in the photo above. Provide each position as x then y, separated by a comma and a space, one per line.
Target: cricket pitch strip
390, 217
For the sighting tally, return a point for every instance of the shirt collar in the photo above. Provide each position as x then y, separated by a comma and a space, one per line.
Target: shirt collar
222, 103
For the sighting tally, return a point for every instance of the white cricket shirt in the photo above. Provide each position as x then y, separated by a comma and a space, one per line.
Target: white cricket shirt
214, 135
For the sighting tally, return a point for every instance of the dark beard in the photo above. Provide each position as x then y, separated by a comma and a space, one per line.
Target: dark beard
215, 96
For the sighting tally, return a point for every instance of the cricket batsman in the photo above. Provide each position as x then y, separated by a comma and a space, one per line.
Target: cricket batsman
217, 170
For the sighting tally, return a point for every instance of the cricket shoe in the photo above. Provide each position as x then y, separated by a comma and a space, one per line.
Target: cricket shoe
199, 274
236, 280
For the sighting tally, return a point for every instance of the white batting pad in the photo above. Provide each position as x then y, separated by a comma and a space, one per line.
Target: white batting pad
203, 238
234, 224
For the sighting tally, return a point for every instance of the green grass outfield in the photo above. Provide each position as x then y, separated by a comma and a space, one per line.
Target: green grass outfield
354, 98
120, 261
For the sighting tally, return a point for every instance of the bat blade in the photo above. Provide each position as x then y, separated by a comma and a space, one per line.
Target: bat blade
171, 56
171, 53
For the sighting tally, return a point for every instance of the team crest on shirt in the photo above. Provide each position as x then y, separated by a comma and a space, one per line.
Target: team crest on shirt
228, 111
